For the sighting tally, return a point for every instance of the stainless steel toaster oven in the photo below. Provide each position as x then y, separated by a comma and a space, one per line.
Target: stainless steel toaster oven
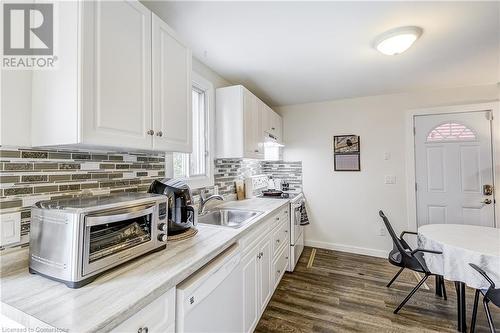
74, 240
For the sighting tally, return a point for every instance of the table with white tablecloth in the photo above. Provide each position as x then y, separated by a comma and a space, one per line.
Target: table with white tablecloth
461, 245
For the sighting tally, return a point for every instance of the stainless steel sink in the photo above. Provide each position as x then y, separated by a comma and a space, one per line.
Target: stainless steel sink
233, 218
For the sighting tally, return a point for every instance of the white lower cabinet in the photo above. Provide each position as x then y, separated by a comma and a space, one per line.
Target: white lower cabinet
250, 290
264, 253
266, 287
257, 283
158, 316
262, 267
279, 265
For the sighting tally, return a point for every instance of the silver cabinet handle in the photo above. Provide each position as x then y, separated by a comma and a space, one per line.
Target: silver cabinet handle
256, 151
273, 128
159, 133
144, 329
150, 132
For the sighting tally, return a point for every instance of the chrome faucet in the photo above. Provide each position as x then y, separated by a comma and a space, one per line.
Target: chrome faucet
204, 200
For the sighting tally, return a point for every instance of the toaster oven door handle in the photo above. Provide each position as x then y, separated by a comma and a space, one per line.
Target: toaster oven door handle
117, 216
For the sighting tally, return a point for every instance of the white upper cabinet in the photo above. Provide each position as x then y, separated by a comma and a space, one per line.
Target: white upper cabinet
242, 122
272, 124
114, 86
251, 125
171, 90
116, 74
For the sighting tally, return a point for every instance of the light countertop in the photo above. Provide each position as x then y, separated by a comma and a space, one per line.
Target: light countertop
116, 295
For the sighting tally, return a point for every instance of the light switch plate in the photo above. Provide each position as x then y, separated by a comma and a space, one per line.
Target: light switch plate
10, 228
390, 179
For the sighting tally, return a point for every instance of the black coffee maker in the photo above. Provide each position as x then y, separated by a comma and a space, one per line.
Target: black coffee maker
182, 214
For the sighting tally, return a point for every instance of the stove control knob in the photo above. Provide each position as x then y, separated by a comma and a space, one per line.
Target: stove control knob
162, 237
162, 227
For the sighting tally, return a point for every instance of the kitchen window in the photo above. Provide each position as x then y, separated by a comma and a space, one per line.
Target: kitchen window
196, 167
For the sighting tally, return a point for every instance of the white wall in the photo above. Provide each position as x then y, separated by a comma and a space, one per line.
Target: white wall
343, 206
15, 108
206, 72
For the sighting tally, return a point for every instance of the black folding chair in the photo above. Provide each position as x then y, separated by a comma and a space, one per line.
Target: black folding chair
403, 256
490, 295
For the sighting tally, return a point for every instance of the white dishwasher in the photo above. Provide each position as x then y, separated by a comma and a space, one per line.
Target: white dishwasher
211, 299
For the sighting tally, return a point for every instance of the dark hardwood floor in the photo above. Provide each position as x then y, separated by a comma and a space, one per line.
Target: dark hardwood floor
343, 292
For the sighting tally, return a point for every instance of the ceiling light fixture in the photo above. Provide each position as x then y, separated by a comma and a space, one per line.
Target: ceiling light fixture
396, 41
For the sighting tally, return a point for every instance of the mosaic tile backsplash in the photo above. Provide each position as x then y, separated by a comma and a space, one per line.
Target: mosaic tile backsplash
28, 176
285, 171
226, 171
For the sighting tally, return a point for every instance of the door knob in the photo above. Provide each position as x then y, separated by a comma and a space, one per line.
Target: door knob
486, 201
150, 132
159, 133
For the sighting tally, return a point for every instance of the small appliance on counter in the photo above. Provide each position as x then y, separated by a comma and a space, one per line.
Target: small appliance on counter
74, 240
254, 185
182, 214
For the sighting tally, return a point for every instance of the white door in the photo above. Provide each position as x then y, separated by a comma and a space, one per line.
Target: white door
453, 161
171, 90
116, 72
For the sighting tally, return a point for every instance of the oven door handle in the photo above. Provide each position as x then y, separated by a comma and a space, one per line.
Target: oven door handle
111, 217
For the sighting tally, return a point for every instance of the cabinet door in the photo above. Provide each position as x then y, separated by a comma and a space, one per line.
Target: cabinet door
171, 90
265, 273
267, 119
251, 121
158, 316
277, 126
116, 74
250, 290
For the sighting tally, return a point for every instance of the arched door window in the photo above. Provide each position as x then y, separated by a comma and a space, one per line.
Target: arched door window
451, 131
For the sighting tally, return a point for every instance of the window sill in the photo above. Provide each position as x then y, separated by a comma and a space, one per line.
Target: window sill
199, 182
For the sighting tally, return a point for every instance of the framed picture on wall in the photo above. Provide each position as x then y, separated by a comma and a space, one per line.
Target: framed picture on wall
344, 144
346, 153
347, 162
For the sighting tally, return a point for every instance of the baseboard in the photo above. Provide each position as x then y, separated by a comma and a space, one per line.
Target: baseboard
348, 248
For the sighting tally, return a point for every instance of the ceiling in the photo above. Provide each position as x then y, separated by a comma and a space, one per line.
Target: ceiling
299, 52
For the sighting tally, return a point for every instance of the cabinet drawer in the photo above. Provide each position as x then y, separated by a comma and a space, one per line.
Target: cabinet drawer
280, 237
280, 264
280, 216
158, 316
247, 242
